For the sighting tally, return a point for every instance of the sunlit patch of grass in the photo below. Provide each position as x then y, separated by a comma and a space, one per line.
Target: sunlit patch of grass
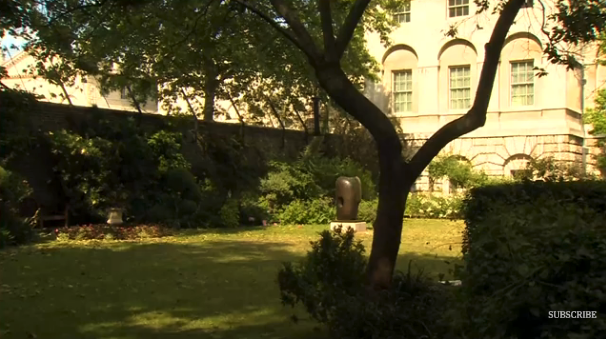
196, 284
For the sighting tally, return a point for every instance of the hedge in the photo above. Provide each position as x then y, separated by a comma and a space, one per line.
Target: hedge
532, 249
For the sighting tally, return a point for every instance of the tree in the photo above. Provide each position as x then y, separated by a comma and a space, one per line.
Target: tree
597, 118
577, 21
322, 31
211, 49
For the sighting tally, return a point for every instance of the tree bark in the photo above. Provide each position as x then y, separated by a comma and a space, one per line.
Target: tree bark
393, 187
210, 92
396, 175
211, 84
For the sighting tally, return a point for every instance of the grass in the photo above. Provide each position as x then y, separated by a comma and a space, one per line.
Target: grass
198, 284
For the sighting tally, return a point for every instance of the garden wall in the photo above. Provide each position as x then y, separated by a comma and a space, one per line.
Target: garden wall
47, 117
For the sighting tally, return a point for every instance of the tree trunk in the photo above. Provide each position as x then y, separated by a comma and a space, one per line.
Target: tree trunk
389, 222
393, 186
211, 85
210, 92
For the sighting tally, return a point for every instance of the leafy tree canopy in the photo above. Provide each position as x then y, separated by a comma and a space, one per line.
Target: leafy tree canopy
214, 49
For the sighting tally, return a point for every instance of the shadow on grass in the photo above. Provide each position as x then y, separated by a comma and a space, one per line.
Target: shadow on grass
211, 289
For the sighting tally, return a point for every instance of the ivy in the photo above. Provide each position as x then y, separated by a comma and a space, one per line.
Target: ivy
459, 172
597, 118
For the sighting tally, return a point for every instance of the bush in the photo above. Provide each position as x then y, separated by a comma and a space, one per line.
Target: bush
252, 211
481, 201
230, 213
430, 206
14, 229
533, 248
329, 283
367, 211
317, 211
109, 232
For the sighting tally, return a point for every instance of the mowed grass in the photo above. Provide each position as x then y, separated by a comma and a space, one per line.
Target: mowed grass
198, 284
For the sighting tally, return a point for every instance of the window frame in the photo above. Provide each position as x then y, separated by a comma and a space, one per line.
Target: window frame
527, 83
450, 88
394, 93
455, 6
403, 12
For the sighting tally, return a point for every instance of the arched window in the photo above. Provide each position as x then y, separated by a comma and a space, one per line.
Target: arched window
516, 164
458, 74
400, 79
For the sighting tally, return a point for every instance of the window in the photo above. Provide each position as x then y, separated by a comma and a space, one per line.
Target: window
460, 87
402, 15
124, 93
522, 83
402, 91
458, 8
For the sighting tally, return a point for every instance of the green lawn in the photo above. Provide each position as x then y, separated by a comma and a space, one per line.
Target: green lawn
202, 284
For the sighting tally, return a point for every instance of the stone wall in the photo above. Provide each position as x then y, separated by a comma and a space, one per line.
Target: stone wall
499, 156
45, 117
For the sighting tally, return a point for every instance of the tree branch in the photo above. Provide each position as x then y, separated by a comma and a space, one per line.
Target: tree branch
191, 109
476, 116
292, 19
134, 99
275, 113
286, 33
349, 26
327, 31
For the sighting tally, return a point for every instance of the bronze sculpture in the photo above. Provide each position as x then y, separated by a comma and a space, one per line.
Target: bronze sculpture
348, 197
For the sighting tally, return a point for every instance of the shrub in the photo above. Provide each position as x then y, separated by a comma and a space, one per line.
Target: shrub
481, 201
367, 211
533, 248
109, 232
230, 213
329, 283
14, 229
317, 211
252, 211
430, 206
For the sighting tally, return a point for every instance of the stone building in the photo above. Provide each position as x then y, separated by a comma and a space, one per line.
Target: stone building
429, 79
84, 91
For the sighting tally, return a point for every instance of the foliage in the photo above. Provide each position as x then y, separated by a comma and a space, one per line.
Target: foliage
317, 211
14, 229
534, 248
325, 171
458, 170
84, 168
329, 283
549, 169
597, 118
419, 206
585, 194
431, 206
119, 165
188, 48
229, 213
367, 211
109, 232
291, 188
15, 128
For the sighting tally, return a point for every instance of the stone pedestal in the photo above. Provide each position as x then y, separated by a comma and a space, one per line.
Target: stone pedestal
357, 226
115, 216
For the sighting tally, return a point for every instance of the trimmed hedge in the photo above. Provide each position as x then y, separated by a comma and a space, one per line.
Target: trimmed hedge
531, 249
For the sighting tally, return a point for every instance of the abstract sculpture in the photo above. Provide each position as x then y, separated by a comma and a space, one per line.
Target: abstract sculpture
348, 197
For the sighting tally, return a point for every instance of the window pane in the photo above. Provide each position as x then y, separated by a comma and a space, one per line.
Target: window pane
522, 83
402, 91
